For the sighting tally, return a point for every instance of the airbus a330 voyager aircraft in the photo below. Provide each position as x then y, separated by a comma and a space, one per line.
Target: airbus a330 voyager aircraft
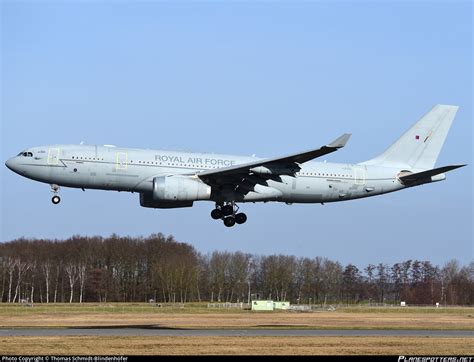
166, 179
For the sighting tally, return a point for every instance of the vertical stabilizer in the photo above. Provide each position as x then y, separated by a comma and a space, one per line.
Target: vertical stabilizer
420, 146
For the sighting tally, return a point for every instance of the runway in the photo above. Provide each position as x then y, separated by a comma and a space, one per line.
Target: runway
150, 331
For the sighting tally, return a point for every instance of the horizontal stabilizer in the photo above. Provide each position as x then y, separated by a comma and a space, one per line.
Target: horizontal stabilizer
425, 176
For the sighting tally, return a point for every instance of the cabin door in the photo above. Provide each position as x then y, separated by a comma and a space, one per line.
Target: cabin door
359, 175
53, 156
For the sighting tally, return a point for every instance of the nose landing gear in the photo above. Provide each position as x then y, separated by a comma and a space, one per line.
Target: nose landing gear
55, 190
228, 213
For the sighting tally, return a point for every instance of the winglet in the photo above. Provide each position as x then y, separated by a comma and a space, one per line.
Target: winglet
340, 142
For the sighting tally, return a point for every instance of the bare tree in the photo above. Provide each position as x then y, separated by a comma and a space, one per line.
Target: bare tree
10, 265
22, 267
72, 273
158, 267
448, 274
81, 274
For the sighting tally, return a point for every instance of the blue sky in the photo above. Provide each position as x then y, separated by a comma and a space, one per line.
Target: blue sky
265, 78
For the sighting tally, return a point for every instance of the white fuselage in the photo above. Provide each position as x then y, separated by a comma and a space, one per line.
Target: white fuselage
133, 170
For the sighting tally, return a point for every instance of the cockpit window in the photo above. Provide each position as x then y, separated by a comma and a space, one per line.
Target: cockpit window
25, 154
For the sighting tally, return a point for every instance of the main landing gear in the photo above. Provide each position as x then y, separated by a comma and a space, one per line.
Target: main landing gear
228, 213
55, 190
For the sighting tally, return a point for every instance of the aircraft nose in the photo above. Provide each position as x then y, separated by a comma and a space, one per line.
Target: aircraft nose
10, 164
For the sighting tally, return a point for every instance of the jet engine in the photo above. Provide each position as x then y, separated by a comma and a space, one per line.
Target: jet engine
175, 191
180, 188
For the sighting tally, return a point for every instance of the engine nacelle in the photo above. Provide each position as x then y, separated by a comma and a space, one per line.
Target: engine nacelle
180, 188
147, 200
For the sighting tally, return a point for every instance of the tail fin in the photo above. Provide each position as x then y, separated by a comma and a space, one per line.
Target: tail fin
420, 146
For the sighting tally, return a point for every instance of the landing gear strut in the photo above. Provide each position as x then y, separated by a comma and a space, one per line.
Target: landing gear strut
228, 213
55, 190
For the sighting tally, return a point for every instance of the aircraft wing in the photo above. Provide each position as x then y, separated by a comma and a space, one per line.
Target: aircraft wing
287, 165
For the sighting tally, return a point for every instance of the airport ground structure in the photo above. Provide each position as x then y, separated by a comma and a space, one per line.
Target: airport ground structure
158, 269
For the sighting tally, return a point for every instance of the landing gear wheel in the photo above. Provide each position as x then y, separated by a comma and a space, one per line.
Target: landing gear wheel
227, 210
229, 221
56, 199
240, 218
216, 214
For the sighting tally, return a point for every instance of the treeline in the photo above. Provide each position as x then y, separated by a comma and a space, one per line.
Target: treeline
125, 269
